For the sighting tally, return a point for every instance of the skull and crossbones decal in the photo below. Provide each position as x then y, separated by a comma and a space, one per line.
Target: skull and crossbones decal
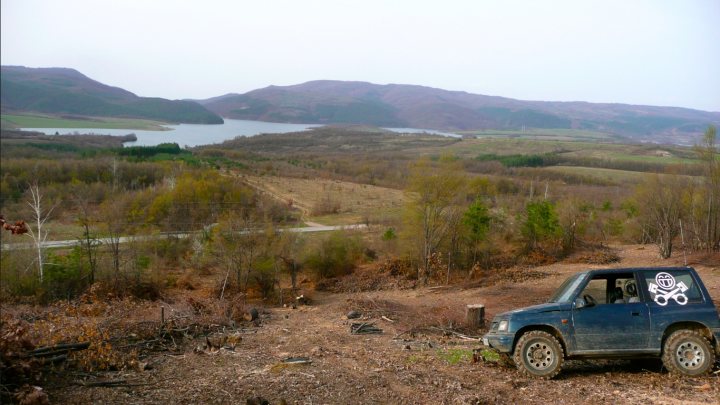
667, 288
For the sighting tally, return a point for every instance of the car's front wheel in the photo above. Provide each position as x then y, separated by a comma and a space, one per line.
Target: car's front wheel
689, 353
538, 354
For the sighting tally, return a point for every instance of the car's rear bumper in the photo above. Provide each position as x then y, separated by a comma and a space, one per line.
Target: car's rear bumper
501, 342
716, 332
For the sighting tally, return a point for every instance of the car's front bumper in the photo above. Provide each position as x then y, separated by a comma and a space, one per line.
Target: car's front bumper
716, 332
499, 341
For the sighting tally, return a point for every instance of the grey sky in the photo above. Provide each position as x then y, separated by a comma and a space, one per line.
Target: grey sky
642, 52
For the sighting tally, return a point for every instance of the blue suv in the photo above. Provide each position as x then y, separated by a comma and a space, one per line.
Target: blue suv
615, 313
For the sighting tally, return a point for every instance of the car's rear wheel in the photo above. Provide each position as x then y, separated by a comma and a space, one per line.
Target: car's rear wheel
689, 353
538, 354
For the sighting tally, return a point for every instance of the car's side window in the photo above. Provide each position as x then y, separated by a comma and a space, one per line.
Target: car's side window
675, 287
629, 289
615, 288
596, 288
626, 290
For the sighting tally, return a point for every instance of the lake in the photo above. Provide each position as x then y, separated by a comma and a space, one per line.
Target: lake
201, 134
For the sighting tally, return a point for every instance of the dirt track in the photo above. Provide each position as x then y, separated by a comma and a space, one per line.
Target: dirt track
425, 369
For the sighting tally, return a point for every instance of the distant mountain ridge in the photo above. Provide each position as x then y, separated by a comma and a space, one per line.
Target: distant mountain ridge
397, 105
67, 91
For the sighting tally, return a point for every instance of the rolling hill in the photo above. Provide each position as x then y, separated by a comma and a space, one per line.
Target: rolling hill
396, 105
67, 91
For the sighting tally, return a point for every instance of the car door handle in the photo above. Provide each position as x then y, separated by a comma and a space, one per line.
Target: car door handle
635, 313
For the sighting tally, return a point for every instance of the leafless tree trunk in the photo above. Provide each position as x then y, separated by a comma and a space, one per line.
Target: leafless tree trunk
708, 151
40, 216
88, 241
114, 167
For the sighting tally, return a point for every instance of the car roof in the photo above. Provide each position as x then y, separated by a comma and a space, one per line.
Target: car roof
637, 269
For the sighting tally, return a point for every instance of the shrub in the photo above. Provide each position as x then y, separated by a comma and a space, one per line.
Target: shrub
65, 276
264, 276
541, 223
328, 204
389, 234
336, 255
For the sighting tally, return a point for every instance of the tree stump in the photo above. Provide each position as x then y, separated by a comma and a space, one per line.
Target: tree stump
475, 316
251, 315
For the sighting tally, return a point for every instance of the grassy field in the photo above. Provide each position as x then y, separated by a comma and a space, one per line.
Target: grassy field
663, 154
546, 134
608, 175
40, 121
332, 202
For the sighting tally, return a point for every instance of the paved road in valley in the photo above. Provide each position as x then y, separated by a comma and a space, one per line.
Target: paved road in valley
182, 235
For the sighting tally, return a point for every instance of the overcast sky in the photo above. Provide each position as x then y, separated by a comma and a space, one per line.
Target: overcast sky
641, 52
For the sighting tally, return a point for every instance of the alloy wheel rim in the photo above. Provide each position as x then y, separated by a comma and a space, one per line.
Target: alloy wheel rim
690, 355
539, 356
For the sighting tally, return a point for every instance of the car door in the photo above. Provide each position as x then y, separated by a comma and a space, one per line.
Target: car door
673, 296
622, 325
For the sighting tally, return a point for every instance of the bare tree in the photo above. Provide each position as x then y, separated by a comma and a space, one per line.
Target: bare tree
709, 152
237, 242
288, 250
662, 200
39, 234
88, 241
113, 214
434, 193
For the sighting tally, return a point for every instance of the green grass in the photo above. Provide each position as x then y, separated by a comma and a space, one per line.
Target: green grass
608, 175
40, 121
601, 150
633, 156
455, 356
490, 355
548, 134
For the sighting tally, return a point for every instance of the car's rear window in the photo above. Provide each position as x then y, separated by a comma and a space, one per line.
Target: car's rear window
671, 287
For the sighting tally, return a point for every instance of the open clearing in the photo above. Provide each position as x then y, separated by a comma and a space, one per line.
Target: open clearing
470, 148
547, 134
394, 367
331, 202
608, 175
41, 121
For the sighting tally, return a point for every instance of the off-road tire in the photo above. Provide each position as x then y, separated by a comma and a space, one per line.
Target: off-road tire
506, 360
538, 354
687, 352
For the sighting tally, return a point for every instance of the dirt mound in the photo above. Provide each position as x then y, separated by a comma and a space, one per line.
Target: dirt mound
374, 277
599, 256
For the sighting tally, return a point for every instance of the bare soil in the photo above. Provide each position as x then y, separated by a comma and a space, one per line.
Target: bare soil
424, 366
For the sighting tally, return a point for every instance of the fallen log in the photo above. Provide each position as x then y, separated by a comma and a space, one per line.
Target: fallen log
364, 329
297, 360
458, 334
53, 360
63, 347
110, 383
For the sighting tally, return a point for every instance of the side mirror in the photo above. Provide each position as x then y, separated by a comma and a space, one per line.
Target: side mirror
581, 303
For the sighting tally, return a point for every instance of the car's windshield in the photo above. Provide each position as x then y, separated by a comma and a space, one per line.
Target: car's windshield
563, 294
